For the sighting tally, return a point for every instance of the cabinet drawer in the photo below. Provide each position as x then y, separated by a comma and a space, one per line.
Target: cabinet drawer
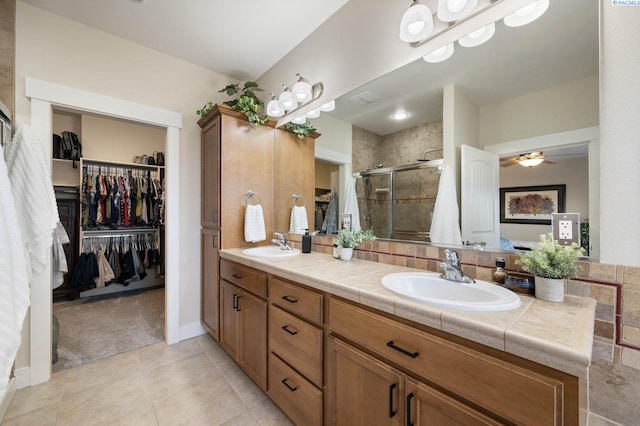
297, 342
303, 302
295, 396
245, 277
514, 393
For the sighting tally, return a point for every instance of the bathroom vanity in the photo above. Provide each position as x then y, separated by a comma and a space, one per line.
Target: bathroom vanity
341, 349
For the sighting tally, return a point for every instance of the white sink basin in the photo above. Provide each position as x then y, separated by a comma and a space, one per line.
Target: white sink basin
429, 288
270, 251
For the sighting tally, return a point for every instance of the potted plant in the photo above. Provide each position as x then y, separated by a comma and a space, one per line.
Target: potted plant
246, 101
347, 240
551, 264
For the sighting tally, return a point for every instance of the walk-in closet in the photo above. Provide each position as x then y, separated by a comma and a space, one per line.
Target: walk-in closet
111, 200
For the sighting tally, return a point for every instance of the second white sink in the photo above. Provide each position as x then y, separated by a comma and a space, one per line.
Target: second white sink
429, 288
270, 251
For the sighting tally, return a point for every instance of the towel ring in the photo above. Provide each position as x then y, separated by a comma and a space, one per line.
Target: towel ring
249, 195
296, 198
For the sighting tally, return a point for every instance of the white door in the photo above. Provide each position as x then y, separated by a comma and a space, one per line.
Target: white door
479, 196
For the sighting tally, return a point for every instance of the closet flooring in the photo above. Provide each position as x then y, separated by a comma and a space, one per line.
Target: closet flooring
102, 326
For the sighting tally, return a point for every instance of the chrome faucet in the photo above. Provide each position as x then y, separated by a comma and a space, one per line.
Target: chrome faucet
281, 240
452, 269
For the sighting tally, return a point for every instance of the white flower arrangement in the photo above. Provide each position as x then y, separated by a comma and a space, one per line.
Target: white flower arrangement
551, 260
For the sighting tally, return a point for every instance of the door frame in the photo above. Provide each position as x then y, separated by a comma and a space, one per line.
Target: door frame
44, 95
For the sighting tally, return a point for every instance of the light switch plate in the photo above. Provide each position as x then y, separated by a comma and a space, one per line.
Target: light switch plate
566, 228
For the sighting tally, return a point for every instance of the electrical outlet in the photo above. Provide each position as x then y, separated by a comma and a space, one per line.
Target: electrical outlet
564, 230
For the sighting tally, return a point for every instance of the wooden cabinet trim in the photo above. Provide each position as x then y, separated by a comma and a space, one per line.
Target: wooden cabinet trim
247, 278
295, 298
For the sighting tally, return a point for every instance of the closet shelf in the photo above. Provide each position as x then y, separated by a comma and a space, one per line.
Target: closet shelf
118, 231
120, 164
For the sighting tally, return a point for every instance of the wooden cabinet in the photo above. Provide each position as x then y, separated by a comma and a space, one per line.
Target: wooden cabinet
210, 184
512, 389
243, 321
296, 351
209, 295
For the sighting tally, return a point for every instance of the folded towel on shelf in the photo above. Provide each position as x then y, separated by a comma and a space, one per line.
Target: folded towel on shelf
254, 229
445, 227
298, 223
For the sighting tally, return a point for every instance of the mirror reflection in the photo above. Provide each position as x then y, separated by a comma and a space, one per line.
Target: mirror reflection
525, 83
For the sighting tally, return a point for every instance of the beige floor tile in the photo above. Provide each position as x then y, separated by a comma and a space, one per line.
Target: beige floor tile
44, 416
159, 354
167, 380
212, 348
201, 404
245, 419
139, 416
269, 415
35, 397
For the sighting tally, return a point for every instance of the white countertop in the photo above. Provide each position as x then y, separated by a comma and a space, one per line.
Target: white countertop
558, 335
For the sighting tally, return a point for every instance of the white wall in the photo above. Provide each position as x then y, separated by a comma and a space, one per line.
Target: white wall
620, 134
61, 51
573, 173
566, 107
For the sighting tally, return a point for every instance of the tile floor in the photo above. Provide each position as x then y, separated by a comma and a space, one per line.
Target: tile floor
193, 382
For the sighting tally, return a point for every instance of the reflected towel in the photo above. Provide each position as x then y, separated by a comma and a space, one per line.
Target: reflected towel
445, 226
351, 204
254, 230
298, 223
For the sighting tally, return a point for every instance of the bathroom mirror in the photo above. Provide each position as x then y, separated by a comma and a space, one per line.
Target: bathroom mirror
525, 82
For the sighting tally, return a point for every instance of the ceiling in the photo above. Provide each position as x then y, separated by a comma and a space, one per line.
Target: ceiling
559, 47
240, 39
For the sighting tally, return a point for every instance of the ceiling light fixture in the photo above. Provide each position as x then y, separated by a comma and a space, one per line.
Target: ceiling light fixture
439, 55
530, 160
302, 90
454, 10
527, 14
416, 23
400, 115
479, 36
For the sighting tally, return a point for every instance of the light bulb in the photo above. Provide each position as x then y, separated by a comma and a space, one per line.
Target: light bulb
477, 33
416, 23
274, 109
299, 120
329, 106
286, 100
439, 55
455, 10
527, 14
400, 115
456, 6
479, 36
415, 27
314, 113
302, 90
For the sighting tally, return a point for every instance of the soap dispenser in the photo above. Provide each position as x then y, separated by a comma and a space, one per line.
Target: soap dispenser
306, 242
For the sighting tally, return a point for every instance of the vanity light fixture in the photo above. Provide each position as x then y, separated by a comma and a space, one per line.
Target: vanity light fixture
527, 14
454, 10
287, 102
273, 107
479, 36
329, 106
400, 115
299, 120
314, 113
416, 23
439, 55
302, 90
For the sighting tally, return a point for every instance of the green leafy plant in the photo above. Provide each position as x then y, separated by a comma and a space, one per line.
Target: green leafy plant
246, 101
551, 260
301, 130
352, 239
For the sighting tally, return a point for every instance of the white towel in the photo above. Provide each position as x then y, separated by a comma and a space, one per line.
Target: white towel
351, 204
254, 230
298, 223
14, 279
445, 226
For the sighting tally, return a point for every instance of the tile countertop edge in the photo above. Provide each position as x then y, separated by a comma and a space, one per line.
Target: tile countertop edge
574, 357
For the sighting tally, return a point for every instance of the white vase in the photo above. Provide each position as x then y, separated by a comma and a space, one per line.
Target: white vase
346, 253
550, 289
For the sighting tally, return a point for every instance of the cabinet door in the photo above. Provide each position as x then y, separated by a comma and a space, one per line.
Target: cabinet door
253, 337
211, 174
229, 318
362, 390
210, 279
426, 406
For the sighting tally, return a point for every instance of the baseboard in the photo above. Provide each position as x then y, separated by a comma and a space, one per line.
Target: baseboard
7, 397
193, 329
23, 377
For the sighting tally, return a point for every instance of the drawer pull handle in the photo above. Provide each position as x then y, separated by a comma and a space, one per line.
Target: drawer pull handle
235, 301
409, 398
291, 332
236, 276
238, 303
291, 388
391, 411
404, 351
290, 299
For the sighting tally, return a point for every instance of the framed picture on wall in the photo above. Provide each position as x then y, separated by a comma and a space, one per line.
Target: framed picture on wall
531, 205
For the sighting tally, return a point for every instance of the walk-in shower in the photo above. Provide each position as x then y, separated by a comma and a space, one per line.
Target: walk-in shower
398, 202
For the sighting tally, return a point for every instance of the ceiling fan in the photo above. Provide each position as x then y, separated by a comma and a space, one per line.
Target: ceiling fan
531, 159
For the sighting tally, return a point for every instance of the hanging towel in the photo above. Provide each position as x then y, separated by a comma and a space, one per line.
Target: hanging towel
330, 224
14, 281
351, 204
254, 230
34, 196
298, 223
445, 226
59, 266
